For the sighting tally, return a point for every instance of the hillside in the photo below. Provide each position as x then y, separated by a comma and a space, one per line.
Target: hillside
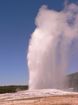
73, 81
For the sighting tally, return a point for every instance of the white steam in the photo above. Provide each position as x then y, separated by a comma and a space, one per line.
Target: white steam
48, 54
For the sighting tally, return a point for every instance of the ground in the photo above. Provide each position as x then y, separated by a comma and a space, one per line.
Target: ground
48, 100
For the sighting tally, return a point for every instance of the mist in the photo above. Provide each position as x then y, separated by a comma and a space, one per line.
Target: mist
49, 47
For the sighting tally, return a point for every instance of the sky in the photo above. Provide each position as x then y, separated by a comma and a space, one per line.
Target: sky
17, 22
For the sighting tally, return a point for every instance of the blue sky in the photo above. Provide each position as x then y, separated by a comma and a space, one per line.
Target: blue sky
16, 25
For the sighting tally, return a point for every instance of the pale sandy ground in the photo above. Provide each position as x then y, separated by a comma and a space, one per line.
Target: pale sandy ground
49, 100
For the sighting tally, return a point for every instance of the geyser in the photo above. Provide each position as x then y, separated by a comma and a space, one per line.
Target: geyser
49, 47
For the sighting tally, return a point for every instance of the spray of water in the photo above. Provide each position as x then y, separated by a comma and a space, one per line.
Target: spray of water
48, 54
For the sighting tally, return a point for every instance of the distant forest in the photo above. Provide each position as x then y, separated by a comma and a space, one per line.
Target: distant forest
12, 89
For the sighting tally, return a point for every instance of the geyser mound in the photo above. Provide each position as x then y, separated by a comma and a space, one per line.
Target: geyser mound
48, 54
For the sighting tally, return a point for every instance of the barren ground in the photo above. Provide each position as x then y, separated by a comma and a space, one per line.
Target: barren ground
52, 100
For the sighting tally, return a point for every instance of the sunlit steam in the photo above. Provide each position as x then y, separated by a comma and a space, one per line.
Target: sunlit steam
48, 54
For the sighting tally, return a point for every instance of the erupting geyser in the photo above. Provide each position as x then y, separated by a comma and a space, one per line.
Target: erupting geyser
48, 54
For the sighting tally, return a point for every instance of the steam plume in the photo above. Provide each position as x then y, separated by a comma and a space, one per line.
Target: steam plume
48, 54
